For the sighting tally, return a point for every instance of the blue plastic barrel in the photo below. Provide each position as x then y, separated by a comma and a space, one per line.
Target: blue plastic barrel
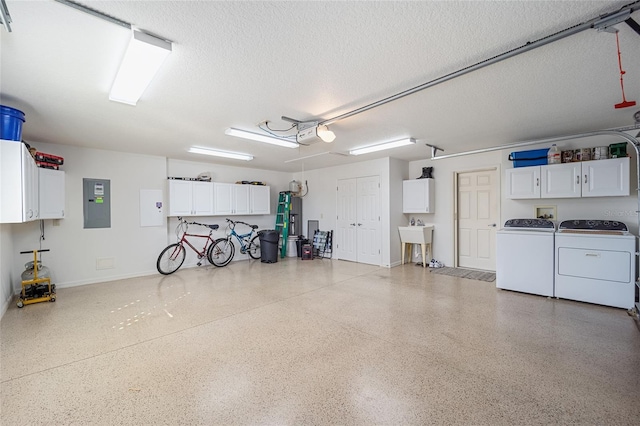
11, 120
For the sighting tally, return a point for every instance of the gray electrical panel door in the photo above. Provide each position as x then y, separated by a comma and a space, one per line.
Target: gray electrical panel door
96, 203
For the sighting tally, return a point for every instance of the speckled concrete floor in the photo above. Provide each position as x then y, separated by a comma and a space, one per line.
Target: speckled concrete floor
317, 342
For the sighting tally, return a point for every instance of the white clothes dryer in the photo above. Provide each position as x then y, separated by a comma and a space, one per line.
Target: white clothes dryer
596, 262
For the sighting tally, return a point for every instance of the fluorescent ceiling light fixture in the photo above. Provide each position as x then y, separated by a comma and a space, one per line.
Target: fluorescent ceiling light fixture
142, 60
325, 134
216, 153
260, 138
382, 146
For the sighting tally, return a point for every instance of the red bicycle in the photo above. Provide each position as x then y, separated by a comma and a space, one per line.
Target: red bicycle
172, 257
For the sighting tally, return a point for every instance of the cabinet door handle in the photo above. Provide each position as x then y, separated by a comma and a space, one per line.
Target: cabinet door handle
585, 178
577, 179
537, 181
352, 224
359, 224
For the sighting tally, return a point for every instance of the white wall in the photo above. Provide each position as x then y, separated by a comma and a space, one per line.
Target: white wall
321, 201
619, 208
278, 181
75, 250
398, 171
6, 259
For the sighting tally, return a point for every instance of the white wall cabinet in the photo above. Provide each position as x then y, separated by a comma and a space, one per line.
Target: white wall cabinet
599, 178
606, 178
18, 183
523, 182
561, 180
51, 193
260, 199
190, 198
235, 199
418, 196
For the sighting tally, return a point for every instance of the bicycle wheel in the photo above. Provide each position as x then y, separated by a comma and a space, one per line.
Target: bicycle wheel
254, 248
221, 252
171, 259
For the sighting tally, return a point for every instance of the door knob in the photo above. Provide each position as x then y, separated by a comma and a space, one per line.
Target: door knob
493, 225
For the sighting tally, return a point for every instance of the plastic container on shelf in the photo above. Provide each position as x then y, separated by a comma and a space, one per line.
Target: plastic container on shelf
535, 157
11, 120
553, 155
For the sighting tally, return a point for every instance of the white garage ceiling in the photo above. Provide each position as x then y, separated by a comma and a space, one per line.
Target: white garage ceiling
235, 64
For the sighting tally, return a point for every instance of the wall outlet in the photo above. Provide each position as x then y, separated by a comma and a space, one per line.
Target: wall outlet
105, 263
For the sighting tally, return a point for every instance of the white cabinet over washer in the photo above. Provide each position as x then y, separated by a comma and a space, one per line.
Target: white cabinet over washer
598, 178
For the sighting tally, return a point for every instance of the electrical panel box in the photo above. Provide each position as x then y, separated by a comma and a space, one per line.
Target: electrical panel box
96, 203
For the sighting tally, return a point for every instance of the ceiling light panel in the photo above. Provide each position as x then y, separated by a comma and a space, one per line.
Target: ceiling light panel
382, 146
217, 153
260, 138
142, 60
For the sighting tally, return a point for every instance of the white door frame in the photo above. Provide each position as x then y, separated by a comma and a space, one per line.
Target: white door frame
498, 187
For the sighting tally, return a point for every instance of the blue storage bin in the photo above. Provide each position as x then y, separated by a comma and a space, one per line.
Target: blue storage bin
11, 120
534, 157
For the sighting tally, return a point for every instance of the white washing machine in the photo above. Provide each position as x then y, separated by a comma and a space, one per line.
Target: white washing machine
525, 256
596, 262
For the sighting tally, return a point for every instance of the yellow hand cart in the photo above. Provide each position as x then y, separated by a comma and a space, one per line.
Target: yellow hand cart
36, 289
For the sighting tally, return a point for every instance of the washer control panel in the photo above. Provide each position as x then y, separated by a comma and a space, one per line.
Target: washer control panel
529, 223
593, 225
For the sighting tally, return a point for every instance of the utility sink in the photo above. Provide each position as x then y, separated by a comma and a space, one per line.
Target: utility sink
416, 235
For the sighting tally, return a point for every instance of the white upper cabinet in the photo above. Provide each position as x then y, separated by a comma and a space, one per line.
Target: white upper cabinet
190, 198
18, 183
561, 181
260, 198
418, 196
598, 178
523, 182
52, 193
240, 199
606, 178
235, 199
202, 201
222, 195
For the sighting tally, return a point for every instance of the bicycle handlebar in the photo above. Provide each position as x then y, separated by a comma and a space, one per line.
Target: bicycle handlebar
235, 222
31, 251
214, 227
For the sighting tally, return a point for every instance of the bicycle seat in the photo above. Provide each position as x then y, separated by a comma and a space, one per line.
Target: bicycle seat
254, 226
214, 226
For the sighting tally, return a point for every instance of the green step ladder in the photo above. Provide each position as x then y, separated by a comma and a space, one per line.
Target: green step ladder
282, 220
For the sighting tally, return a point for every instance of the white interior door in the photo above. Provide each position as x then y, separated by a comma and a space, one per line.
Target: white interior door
345, 242
358, 221
368, 224
477, 219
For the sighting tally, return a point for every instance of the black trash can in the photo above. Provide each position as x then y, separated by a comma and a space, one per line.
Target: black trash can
299, 243
269, 245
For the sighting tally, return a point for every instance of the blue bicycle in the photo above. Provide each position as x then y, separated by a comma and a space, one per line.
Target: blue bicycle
223, 250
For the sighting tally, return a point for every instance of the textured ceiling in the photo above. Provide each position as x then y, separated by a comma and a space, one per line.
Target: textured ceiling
235, 64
